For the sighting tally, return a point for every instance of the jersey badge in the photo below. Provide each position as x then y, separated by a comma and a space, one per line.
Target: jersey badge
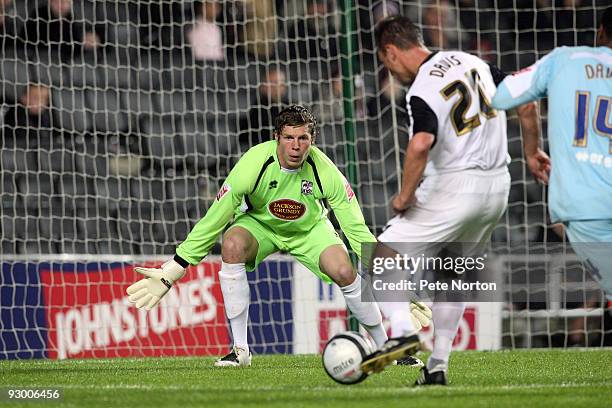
286, 209
306, 187
273, 184
224, 190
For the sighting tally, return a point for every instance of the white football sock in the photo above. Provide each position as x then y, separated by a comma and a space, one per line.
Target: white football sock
239, 329
446, 318
398, 314
236, 297
367, 313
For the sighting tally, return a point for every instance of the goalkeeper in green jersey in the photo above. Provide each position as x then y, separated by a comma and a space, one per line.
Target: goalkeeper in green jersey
275, 195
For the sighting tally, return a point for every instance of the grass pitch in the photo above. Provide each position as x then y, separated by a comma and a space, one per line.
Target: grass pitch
555, 378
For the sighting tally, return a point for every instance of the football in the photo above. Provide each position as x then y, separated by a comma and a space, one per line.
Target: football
342, 357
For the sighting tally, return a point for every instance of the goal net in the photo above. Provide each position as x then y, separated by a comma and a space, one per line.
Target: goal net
120, 120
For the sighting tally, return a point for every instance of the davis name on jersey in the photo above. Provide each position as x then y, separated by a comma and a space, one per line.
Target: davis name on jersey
470, 134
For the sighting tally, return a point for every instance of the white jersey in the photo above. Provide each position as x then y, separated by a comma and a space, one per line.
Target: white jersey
457, 88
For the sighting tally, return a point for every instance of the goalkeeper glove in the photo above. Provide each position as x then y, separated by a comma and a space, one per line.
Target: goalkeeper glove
148, 292
420, 314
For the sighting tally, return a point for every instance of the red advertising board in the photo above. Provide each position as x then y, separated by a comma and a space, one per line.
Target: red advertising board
88, 314
331, 322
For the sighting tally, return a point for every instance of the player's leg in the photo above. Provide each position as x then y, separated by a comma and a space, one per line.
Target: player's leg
446, 319
244, 246
483, 202
396, 306
405, 313
397, 314
450, 208
239, 247
335, 263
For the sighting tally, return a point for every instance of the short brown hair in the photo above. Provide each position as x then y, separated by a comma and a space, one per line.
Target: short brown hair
296, 115
399, 31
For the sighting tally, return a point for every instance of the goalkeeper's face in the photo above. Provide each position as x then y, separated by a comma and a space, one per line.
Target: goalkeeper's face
293, 146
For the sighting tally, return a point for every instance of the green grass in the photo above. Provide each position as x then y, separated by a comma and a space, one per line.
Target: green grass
555, 378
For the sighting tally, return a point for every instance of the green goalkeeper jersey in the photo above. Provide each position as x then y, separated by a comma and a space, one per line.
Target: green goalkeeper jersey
288, 202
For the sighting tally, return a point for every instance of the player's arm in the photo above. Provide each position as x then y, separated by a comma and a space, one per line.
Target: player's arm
524, 86
520, 90
148, 292
413, 168
537, 160
423, 128
346, 208
204, 234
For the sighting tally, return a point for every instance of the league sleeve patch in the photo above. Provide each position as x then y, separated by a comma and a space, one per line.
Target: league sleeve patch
520, 82
224, 190
349, 191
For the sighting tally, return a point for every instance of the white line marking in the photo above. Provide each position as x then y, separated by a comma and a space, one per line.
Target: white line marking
401, 389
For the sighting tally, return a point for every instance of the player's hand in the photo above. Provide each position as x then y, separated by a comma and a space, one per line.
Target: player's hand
149, 291
420, 314
400, 204
539, 165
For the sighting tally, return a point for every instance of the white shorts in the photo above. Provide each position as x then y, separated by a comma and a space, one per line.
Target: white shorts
463, 206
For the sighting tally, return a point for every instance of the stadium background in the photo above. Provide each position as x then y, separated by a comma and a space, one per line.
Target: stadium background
118, 128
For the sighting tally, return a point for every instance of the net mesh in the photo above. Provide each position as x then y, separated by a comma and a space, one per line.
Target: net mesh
120, 119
